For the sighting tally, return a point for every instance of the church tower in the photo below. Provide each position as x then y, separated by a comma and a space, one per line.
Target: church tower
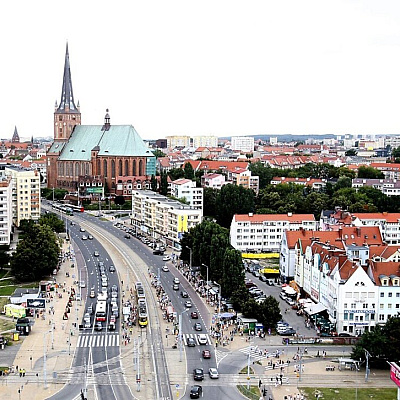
15, 137
67, 114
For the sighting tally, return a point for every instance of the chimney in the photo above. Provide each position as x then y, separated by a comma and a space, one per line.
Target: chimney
340, 232
358, 232
289, 214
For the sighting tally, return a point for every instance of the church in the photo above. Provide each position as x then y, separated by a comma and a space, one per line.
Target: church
94, 158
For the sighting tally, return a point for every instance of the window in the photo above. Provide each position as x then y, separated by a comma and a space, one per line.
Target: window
381, 306
346, 316
351, 316
389, 306
381, 317
382, 294
353, 305
390, 294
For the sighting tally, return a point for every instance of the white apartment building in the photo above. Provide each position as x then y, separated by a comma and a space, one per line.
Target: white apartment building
5, 210
185, 188
214, 181
204, 141
178, 141
161, 218
263, 232
242, 143
389, 187
25, 193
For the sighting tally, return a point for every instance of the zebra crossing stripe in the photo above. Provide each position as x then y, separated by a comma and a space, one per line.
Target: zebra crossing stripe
110, 340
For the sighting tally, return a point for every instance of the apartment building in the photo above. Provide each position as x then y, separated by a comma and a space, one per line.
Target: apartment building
316, 184
389, 187
186, 189
214, 181
178, 141
204, 141
242, 143
264, 232
25, 193
6, 217
244, 178
161, 218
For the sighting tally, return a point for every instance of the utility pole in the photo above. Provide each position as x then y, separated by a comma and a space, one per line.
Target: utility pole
367, 356
138, 367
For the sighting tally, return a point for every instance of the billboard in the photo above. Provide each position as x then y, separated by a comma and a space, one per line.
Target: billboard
95, 190
395, 373
36, 303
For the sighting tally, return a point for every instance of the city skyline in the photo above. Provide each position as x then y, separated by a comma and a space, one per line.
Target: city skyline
222, 68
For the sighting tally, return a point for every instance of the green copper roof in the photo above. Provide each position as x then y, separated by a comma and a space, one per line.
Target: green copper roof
119, 140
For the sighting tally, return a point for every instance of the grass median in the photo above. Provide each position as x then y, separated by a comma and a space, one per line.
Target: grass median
350, 393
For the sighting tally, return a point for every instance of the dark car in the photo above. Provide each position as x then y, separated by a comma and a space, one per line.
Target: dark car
198, 327
127, 236
262, 278
206, 354
344, 334
191, 342
198, 374
288, 332
158, 252
111, 268
194, 315
196, 392
184, 294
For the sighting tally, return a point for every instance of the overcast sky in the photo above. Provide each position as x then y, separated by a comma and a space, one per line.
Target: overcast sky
211, 67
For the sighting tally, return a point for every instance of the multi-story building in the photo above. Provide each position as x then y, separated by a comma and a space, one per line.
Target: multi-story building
186, 189
316, 184
242, 143
244, 178
25, 193
263, 232
161, 218
6, 217
389, 187
178, 141
204, 141
214, 181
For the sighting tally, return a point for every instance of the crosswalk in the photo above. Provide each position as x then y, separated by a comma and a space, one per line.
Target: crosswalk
107, 340
255, 353
186, 336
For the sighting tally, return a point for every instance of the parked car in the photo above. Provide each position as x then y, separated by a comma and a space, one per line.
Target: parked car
262, 278
166, 258
184, 294
165, 268
288, 332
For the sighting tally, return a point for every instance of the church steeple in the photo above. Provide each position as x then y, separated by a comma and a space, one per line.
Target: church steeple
66, 114
67, 95
15, 136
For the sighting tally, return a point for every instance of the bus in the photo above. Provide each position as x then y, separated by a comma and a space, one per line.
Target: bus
142, 313
62, 208
75, 208
101, 311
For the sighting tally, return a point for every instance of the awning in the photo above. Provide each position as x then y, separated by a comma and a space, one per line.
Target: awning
212, 292
227, 315
289, 290
314, 309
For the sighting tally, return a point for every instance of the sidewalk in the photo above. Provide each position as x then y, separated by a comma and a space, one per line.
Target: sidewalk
59, 343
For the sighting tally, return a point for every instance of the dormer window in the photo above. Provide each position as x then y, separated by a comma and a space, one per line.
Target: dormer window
385, 282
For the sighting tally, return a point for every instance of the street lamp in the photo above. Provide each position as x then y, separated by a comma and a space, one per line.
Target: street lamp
45, 358
219, 300
204, 265
180, 333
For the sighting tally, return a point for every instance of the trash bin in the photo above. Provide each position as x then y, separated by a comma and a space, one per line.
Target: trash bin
16, 336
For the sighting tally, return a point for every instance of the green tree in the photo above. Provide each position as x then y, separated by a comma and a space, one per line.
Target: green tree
176, 173
154, 185
269, 312
369, 173
158, 153
210, 197
233, 199
4, 256
396, 152
188, 171
52, 220
26, 225
343, 182
36, 255
119, 200
163, 183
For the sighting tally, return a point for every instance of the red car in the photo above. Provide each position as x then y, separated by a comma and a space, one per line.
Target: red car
194, 315
206, 354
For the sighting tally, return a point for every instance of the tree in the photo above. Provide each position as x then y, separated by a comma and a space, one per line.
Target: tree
163, 183
188, 171
119, 200
52, 221
4, 256
210, 196
343, 182
154, 185
36, 255
158, 153
176, 173
369, 173
231, 200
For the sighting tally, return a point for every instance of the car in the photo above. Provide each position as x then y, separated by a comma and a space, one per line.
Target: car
282, 295
288, 332
344, 334
127, 236
166, 258
198, 327
90, 237
198, 374
114, 288
82, 284
270, 282
86, 316
78, 297
196, 392
84, 237
191, 342
165, 268
290, 301
87, 324
111, 268
256, 274
90, 309
175, 287
184, 294
202, 338
98, 326
250, 284
100, 264
188, 304
213, 372
206, 354
162, 248
176, 281
72, 223
158, 252
82, 229
96, 254
262, 278
194, 315
92, 293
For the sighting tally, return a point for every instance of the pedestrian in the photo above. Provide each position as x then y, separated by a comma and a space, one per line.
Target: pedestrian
259, 383
20, 373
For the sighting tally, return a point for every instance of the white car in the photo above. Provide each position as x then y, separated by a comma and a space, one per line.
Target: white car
213, 372
202, 338
176, 281
82, 284
166, 258
165, 268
